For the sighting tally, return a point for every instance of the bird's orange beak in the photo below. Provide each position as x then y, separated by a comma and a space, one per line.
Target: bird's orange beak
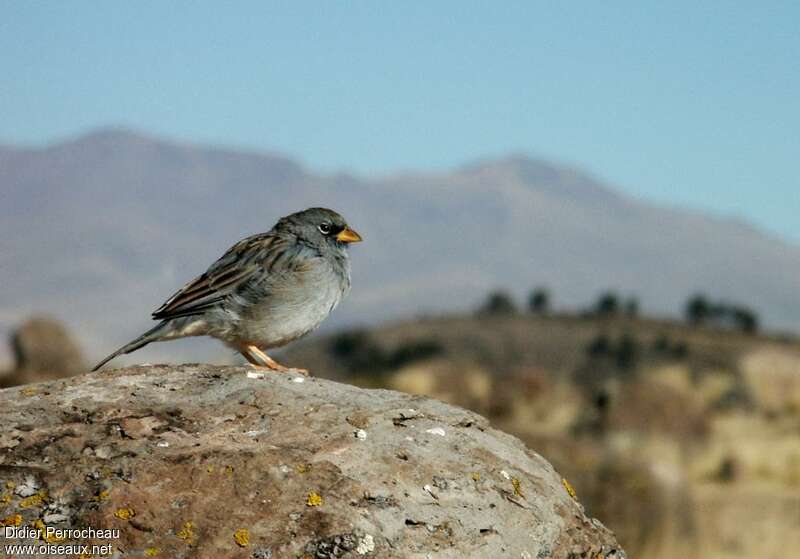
347, 235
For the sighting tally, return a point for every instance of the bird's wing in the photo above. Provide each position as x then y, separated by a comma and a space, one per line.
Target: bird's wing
254, 255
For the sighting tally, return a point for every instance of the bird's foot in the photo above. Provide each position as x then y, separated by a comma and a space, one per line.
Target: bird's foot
281, 369
261, 360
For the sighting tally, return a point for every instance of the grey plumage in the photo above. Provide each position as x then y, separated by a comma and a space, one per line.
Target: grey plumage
265, 291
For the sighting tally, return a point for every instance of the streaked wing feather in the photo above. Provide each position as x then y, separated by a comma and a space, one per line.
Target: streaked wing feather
224, 277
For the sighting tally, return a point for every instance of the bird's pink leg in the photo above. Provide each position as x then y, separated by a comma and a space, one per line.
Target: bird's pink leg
261, 360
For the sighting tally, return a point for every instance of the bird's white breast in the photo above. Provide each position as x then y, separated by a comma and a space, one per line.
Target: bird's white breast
295, 306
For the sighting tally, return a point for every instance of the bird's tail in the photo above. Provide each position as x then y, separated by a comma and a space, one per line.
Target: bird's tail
159, 332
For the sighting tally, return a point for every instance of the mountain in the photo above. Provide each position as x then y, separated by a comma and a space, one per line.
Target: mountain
101, 229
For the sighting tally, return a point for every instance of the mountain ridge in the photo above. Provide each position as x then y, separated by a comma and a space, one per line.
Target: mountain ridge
101, 229
518, 159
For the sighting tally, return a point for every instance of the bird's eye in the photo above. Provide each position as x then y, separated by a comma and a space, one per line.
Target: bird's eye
325, 228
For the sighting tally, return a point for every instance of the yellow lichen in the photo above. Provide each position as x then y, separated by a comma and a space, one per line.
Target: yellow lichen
517, 487
210, 469
52, 538
5, 499
242, 537
151, 551
229, 470
125, 514
476, 476
314, 499
187, 532
303, 468
10, 485
12, 520
42, 527
569, 488
32, 501
102, 496
29, 392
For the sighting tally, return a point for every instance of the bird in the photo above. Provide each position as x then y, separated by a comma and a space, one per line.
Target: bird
267, 290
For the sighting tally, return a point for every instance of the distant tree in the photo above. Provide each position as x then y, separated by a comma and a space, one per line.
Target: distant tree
539, 301
599, 346
414, 350
627, 352
498, 303
698, 310
607, 304
663, 346
358, 351
662, 343
745, 319
680, 349
632, 307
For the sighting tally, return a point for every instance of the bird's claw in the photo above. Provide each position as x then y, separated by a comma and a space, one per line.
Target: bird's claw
281, 369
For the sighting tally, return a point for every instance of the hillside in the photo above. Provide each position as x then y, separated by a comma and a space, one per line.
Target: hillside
559, 343
99, 230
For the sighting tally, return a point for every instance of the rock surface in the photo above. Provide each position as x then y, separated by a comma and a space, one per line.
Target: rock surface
217, 462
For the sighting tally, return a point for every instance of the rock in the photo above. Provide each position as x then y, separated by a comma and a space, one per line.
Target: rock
43, 350
203, 461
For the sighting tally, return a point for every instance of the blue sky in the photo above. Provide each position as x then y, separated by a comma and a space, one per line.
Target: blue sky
683, 104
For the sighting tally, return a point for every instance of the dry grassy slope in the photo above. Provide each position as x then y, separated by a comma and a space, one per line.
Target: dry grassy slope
556, 343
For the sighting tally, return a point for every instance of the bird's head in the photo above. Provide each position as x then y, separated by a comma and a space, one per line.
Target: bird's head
320, 226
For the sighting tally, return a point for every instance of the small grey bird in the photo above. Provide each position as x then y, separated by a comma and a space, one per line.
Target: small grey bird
265, 291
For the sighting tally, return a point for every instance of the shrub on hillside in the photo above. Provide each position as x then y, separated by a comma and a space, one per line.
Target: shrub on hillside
539, 301
607, 304
700, 311
360, 352
498, 303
